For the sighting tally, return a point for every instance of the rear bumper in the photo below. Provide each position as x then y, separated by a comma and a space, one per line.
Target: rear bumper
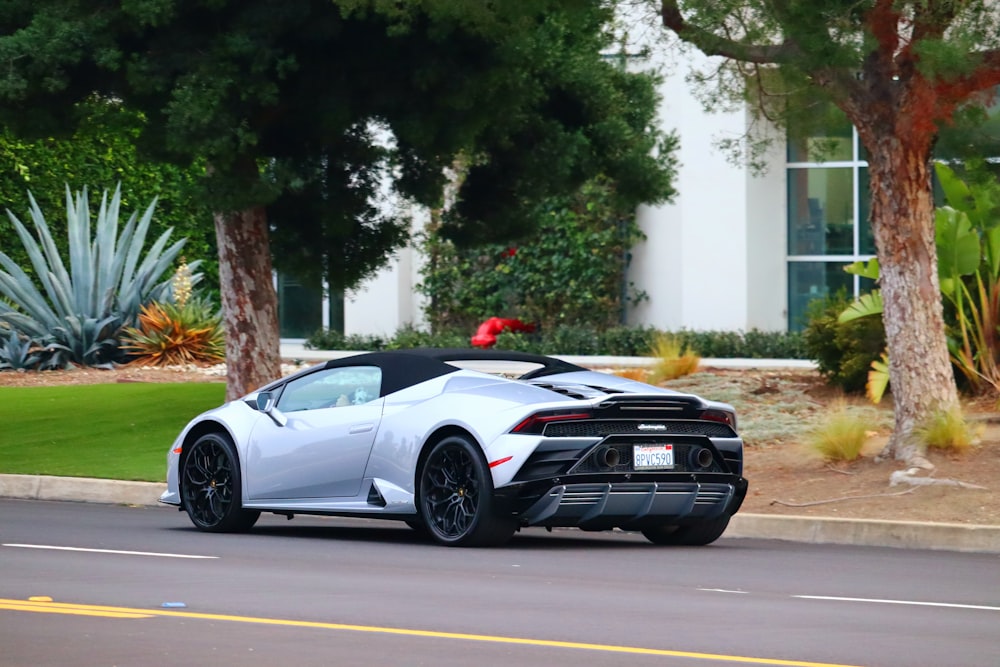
635, 504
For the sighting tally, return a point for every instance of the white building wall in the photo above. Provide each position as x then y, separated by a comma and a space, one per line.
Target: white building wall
767, 243
693, 264
699, 264
388, 301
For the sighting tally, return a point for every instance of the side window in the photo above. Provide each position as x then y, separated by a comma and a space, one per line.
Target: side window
332, 388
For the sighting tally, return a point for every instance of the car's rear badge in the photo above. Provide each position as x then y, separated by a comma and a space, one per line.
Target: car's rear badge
652, 427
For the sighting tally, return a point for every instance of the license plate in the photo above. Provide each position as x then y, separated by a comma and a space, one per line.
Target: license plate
652, 457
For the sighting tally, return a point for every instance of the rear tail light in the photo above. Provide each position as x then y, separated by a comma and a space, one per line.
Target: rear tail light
535, 424
723, 416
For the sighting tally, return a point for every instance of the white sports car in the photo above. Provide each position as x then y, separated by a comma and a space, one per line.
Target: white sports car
468, 456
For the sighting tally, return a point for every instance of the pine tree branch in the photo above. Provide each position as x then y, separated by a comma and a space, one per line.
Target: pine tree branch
714, 45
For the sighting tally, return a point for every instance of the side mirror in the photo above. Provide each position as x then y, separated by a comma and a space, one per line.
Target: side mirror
266, 402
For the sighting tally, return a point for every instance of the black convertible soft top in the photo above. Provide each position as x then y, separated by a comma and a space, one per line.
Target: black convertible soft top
405, 368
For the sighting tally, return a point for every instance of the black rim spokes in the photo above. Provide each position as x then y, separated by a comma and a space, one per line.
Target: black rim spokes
452, 491
208, 482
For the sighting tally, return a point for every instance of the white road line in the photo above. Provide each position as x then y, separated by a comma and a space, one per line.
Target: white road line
722, 590
951, 605
104, 551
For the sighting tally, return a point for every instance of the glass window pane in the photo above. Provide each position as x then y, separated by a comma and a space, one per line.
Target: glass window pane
820, 211
332, 388
866, 238
835, 141
809, 281
300, 308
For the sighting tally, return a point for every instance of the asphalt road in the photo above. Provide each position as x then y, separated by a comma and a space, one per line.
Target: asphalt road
87, 584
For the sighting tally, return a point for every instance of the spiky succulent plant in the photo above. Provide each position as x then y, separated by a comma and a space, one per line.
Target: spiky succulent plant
81, 310
176, 335
17, 352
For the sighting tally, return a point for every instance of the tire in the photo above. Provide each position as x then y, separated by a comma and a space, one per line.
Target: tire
456, 502
694, 535
211, 487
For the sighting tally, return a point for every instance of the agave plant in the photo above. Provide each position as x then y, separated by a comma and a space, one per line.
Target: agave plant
17, 353
79, 312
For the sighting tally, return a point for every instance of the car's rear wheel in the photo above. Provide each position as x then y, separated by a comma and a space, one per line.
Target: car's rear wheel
211, 491
696, 534
456, 500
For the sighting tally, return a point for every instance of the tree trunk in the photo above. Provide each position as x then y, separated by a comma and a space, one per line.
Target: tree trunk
249, 302
902, 214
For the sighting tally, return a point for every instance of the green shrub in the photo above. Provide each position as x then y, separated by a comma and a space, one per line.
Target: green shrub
580, 340
330, 339
753, 344
774, 345
569, 272
623, 341
517, 342
619, 341
844, 351
714, 344
409, 337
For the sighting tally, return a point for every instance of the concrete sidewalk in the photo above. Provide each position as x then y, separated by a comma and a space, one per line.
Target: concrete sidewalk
901, 534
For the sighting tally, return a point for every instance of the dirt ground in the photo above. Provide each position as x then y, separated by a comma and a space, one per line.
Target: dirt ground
776, 410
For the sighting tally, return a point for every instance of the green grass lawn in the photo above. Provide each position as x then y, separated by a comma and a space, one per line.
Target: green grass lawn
112, 431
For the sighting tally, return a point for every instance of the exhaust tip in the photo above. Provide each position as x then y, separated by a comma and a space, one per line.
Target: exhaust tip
702, 457
609, 457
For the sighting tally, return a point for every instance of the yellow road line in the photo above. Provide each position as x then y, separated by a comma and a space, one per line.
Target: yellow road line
126, 612
49, 609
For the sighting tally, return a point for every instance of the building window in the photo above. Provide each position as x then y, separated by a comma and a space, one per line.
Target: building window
305, 309
828, 228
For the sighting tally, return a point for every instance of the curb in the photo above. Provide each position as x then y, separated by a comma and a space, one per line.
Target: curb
868, 532
810, 530
80, 489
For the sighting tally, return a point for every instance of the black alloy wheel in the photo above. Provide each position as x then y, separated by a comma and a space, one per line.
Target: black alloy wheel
456, 500
693, 535
211, 491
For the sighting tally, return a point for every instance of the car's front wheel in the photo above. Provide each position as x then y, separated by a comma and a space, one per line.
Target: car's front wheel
211, 492
696, 534
456, 501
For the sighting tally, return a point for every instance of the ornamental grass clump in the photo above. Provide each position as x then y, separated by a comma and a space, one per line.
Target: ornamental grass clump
841, 434
673, 359
173, 335
637, 374
948, 429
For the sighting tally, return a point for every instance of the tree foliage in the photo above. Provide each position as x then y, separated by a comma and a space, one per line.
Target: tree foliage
299, 89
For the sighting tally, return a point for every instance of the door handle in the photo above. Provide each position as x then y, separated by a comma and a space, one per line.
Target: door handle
361, 428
